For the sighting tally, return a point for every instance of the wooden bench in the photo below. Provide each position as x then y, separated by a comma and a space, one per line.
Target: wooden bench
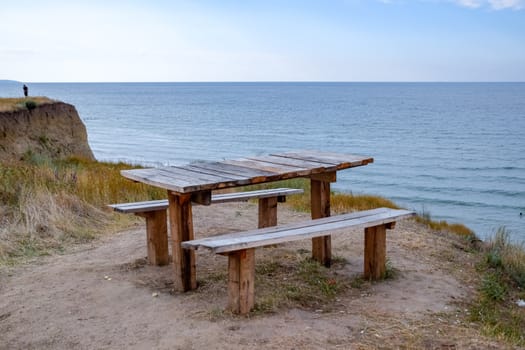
240, 247
156, 220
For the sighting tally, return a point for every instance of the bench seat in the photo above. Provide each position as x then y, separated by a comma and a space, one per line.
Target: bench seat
156, 219
240, 246
162, 204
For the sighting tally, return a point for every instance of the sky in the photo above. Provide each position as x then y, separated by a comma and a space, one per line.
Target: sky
262, 40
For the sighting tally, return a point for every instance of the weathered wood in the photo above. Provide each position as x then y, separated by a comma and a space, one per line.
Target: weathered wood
280, 193
140, 207
265, 166
315, 167
297, 231
302, 225
267, 212
320, 208
155, 214
241, 249
157, 237
375, 252
181, 228
230, 169
241, 281
231, 173
343, 161
146, 206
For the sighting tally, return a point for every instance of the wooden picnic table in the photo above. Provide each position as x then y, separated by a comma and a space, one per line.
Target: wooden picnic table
194, 182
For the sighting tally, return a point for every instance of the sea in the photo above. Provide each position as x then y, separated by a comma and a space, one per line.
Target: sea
455, 151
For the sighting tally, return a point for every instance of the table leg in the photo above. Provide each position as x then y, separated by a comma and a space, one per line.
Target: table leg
267, 212
181, 228
320, 207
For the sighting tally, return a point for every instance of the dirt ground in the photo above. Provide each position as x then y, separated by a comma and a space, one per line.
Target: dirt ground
103, 296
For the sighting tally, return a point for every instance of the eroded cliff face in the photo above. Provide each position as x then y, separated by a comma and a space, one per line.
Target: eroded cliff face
52, 130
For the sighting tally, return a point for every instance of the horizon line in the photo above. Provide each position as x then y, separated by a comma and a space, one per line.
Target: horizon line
276, 81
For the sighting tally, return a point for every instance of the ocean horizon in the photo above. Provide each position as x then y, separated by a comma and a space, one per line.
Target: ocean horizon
454, 150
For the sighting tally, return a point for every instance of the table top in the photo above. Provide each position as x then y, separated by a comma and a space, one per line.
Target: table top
204, 176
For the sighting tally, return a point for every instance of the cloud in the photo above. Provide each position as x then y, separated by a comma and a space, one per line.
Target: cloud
504, 4
470, 3
494, 4
474, 4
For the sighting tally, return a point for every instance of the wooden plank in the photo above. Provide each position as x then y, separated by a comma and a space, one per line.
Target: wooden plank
230, 169
282, 171
154, 177
343, 161
194, 177
161, 204
140, 207
315, 167
320, 208
375, 252
216, 173
297, 225
180, 180
281, 234
239, 196
181, 228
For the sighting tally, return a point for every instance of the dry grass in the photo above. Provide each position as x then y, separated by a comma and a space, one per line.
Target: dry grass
442, 225
13, 104
49, 204
286, 279
339, 202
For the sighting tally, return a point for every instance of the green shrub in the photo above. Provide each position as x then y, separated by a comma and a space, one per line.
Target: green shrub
30, 105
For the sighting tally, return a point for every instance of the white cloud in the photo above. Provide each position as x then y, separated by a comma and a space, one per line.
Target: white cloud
474, 4
494, 4
470, 3
504, 4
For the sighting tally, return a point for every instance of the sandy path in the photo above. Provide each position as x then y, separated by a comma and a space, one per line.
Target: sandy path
98, 297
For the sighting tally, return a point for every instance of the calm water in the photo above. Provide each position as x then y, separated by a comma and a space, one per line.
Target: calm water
456, 151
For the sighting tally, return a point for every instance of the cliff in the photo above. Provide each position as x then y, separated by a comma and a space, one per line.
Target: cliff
52, 130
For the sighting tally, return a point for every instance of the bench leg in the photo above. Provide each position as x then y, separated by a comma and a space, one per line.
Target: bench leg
181, 228
157, 237
241, 281
320, 207
375, 252
267, 212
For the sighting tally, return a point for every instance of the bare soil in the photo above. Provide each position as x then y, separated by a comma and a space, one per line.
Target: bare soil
103, 295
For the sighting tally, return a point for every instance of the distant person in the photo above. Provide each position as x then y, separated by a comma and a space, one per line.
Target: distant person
25, 90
